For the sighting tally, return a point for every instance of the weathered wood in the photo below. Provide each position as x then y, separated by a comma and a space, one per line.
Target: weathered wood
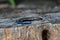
33, 32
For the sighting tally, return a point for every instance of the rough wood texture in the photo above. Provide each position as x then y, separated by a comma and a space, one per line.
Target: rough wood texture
33, 32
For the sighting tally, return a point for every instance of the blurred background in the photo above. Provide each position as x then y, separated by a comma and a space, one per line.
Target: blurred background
14, 3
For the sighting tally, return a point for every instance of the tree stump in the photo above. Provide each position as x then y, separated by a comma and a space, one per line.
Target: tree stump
33, 32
